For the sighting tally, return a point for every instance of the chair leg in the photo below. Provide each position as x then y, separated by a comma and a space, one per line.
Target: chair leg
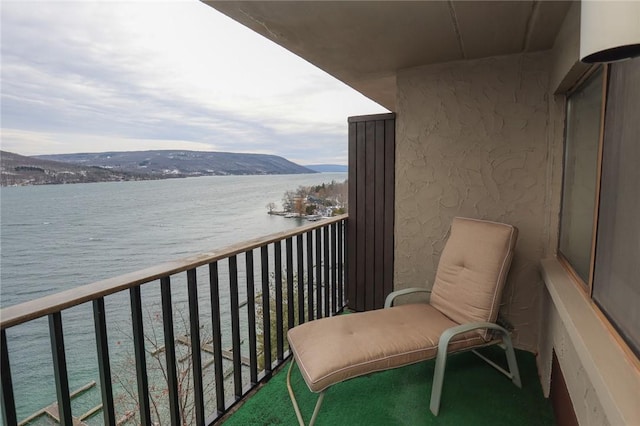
441, 358
316, 410
438, 379
514, 372
511, 361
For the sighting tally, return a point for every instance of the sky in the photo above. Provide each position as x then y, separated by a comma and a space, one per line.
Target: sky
94, 76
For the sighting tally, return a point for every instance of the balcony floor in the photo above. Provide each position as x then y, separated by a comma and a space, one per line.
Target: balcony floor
473, 394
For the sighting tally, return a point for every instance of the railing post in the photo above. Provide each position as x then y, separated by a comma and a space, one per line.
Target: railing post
310, 275
334, 272
235, 326
141, 363
170, 349
300, 264
217, 335
196, 353
290, 299
327, 277
251, 318
341, 264
266, 311
104, 366
8, 402
318, 272
349, 266
279, 314
60, 368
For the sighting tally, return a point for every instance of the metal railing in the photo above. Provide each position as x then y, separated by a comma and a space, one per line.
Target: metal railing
303, 283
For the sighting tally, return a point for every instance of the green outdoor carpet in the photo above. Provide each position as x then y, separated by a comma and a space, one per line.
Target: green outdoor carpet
473, 394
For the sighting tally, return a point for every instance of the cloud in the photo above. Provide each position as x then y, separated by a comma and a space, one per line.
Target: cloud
32, 143
79, 75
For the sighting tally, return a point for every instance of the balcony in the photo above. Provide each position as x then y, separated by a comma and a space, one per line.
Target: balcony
242, 348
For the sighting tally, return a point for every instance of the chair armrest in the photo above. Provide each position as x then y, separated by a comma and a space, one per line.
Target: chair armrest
391, 297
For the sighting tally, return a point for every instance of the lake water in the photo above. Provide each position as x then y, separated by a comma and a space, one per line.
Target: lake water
57, 237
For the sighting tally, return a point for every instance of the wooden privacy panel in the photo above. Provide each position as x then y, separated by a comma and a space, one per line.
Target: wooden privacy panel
371, 210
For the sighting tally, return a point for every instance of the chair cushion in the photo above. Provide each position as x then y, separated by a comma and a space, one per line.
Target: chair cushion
335, 349
472, 270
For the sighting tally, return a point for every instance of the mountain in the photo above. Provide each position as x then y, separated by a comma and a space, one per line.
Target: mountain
327, 168
20, 170
136, 165
170, 163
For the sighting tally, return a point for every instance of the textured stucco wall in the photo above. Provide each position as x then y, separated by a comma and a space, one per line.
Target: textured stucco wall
472, 140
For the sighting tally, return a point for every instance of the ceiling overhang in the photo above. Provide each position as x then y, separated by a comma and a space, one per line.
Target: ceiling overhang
365, 43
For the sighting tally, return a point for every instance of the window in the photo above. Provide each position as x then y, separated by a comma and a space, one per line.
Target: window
600, 219
580, 174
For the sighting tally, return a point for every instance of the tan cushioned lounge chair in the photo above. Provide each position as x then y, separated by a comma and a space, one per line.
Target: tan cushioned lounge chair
460, 316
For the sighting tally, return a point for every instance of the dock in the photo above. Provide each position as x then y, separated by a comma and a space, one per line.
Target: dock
208, 347
53, 412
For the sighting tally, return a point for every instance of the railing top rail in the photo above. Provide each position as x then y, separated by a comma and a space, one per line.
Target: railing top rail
33, 309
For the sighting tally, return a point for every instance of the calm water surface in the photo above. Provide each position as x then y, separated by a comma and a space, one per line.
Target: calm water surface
58, 237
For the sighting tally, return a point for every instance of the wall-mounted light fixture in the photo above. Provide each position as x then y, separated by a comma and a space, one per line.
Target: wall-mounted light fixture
609, 30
